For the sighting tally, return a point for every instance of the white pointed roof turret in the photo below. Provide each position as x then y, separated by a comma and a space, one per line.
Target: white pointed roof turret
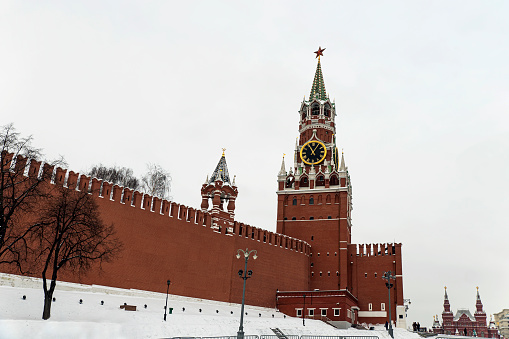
282, 171
221, 171
342, 168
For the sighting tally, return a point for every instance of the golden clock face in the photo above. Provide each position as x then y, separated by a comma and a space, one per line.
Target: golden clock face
313, 152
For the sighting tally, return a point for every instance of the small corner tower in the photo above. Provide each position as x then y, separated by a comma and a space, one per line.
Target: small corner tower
222, 193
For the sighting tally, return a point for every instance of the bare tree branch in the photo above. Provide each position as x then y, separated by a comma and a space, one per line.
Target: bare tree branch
157, 182
19, 193
121, 176
72, 236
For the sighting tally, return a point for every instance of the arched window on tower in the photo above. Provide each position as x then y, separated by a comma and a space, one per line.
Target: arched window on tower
334, 180
326, 110
304, 182
315, 109
294, 202
311, 201
320, 180
289, 182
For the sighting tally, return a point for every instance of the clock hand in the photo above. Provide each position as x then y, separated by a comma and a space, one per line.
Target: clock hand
313, 150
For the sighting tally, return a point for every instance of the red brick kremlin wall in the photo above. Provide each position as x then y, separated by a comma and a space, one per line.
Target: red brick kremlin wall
164, 240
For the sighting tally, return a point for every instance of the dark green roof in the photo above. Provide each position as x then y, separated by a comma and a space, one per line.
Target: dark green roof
318, 88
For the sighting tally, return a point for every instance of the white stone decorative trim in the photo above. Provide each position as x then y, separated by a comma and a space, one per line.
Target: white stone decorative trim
334, 219
313, 190
372, 314
315, 125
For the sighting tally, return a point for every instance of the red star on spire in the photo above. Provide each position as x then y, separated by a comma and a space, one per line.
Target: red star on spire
319, 52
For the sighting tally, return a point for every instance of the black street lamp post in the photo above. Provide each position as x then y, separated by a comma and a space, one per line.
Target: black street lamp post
244, 274
166, 307
304, 311
388, 276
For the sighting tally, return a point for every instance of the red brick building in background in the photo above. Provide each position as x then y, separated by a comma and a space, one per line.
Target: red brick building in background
463, 323
308, 267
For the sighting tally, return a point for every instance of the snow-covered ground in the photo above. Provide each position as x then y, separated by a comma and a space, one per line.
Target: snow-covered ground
21, 318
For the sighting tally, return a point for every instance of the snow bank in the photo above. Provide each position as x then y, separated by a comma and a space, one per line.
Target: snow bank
21, 318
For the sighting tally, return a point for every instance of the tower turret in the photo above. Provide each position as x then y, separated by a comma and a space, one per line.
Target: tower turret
447, 315
223, 195
480, 315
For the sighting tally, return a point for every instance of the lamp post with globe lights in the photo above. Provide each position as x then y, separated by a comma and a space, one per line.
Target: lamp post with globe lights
244, 274
388, 276
166, 306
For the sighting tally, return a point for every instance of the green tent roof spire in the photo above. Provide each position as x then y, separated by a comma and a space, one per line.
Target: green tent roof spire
318, 88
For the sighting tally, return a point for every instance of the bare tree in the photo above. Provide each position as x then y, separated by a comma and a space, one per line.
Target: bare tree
157, 182
72, 236
121, 176
19, 193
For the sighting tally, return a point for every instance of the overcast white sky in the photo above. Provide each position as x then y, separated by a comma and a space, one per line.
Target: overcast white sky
421, 89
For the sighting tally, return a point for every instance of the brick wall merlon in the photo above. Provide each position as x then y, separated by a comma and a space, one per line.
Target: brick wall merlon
95, 187
166, 208
156, 205
21, 163
7, 159
127, 197
84, 183
72, 180
117, 193
182, 212
106, 190
147, 202
35, 166
368, 250
174, 210
207, 220
137, 197
201, 218
191, 215
47, 172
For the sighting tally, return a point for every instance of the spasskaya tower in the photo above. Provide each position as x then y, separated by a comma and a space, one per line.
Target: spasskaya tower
315, 196
345, 282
